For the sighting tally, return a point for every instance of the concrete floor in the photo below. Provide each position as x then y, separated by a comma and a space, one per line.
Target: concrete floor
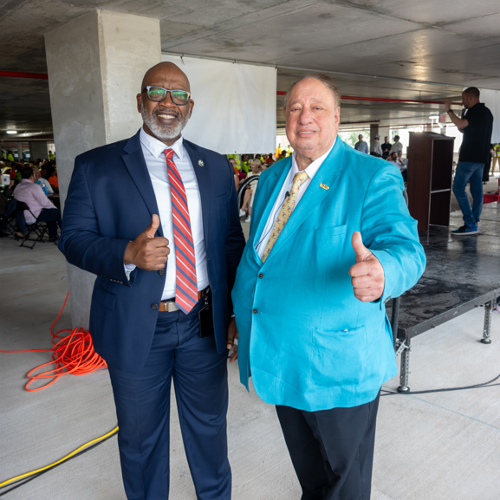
429, 447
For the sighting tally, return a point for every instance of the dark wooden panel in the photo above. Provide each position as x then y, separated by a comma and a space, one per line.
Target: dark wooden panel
430, 158
442, 165
440, 208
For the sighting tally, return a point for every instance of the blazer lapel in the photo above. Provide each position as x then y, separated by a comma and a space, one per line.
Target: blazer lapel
268, 192
136, 165
202, 172
327, 175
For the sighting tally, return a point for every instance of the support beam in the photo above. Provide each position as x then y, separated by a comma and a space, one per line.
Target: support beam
38, 150
96, 64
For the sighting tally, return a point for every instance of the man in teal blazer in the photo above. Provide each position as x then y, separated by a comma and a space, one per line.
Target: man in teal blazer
311, 289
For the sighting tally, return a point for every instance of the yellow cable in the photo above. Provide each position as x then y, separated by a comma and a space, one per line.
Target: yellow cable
22, 476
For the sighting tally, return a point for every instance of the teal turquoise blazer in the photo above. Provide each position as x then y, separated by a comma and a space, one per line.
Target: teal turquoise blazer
304, 338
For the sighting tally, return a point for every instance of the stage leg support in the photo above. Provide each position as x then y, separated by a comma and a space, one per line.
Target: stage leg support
487, 323
404, 373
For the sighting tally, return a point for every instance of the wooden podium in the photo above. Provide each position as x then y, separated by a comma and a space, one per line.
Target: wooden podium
430, 168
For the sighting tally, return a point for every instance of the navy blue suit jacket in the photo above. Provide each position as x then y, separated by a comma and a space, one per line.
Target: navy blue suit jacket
110, 202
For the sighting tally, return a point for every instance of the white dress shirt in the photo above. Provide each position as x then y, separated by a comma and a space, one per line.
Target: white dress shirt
376, 148
156, 163
396, 147
287, 186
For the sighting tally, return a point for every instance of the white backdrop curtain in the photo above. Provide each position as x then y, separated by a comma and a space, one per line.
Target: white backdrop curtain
234, 105
491, 99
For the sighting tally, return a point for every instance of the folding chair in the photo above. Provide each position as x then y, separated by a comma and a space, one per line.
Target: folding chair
39, 228
9, 216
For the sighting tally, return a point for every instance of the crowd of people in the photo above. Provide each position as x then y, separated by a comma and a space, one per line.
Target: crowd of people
246, 168
34, 183
393, 153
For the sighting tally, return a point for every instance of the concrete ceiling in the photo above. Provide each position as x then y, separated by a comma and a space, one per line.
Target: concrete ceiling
424, 50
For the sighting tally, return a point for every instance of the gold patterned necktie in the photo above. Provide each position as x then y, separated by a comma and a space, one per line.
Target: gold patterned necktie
284, 213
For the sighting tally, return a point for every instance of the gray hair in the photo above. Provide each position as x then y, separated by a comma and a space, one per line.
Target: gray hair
321, 78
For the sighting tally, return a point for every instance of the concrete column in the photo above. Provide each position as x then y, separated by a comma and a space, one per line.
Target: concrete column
96, 64
19, 147
38, 150
373, 132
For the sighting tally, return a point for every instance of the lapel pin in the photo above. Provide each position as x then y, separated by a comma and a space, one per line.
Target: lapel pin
324, 186
200, 163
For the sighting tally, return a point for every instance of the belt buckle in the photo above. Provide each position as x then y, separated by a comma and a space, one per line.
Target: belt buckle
171, 306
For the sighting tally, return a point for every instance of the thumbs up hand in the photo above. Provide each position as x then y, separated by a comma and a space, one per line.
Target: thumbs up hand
367, 274
146, 251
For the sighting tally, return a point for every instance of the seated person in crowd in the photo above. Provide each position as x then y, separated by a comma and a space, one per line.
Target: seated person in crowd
51, 176
402, 162
393, 158
43, 183
5, 194
256, 169
41, 207
13, 171
236, 172
245, 166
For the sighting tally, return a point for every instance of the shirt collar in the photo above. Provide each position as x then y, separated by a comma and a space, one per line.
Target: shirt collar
156, 147
314, 166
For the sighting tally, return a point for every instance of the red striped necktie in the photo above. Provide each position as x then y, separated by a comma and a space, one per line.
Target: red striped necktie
186, 284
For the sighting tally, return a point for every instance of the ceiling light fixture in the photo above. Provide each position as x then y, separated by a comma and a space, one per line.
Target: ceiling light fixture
12, 131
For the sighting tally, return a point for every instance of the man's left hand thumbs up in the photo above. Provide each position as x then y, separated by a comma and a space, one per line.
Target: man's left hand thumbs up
367, 274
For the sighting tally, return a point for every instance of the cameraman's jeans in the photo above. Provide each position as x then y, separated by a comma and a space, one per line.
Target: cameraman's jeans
466, 171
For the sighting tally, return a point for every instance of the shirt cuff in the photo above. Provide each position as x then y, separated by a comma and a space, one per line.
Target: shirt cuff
128, 269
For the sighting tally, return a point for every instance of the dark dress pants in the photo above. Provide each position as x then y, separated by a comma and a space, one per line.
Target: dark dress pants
51, 216
332, 450
143, 409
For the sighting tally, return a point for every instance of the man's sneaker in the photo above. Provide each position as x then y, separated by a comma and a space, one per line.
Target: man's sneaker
465, 230
248, 219
242, 213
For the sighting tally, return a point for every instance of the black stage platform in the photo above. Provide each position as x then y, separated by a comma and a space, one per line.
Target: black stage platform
462, 273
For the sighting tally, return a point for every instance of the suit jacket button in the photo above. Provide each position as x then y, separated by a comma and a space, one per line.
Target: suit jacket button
161, 272
255, 311
154, 306
261, 275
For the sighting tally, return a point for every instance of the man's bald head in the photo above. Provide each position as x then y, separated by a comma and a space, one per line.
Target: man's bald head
165, 70
165, 119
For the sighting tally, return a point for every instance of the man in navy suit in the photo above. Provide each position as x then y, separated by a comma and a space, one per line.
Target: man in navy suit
155, 217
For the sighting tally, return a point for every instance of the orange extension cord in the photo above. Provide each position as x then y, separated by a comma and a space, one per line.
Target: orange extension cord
73, 354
